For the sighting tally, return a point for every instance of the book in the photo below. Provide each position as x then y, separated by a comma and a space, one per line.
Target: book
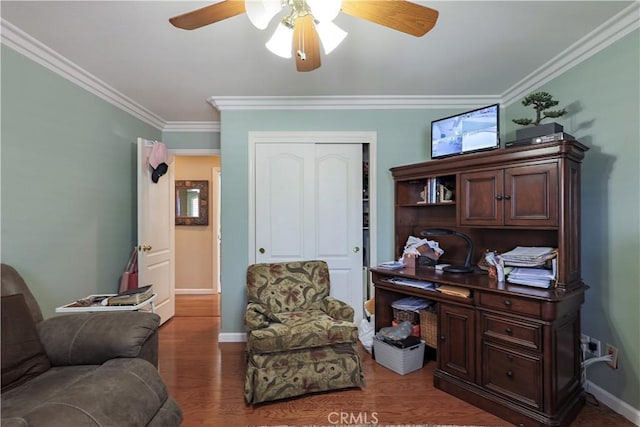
528, 256
132, 296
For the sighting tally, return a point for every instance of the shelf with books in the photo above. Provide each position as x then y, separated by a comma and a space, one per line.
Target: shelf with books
437, 190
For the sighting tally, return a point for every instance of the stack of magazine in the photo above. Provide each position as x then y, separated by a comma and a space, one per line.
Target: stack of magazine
132, 296
529, 256
529, 264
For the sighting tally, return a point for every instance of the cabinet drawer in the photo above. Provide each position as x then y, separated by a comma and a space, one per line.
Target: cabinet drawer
511, 304
515, 375
513, 331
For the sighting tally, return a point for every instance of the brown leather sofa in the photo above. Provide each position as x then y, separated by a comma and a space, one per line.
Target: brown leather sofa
85, 369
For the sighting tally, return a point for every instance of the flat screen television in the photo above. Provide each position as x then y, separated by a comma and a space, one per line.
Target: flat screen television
474, 130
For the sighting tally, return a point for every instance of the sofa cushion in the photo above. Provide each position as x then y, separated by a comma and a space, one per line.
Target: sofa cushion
302, 329
121, 392
23, 356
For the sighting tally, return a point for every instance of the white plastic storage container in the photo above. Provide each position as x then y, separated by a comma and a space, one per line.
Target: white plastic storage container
400, 360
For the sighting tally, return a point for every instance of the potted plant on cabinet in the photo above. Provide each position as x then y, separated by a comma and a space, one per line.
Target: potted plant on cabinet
541, 102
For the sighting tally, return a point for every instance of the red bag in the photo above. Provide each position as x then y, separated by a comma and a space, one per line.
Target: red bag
129, 278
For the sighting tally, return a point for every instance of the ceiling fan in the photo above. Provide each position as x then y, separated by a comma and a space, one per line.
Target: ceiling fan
308, 23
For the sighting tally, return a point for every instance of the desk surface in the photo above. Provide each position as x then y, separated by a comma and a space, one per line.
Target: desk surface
74, 307
476, 281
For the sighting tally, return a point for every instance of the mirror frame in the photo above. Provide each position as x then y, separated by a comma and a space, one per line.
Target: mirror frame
203, 203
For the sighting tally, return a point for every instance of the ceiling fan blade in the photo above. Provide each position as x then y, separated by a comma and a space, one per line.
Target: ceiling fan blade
208, 14
400, 15
306, 44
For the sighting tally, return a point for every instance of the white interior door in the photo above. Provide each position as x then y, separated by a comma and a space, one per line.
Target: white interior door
284, 202
308, 205
156, 224
338, 219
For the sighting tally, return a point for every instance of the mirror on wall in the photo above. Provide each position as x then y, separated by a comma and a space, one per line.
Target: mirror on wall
192, 202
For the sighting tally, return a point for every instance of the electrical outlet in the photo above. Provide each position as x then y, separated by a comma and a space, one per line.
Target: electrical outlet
584, 344
595, 348
584, 339
613, 352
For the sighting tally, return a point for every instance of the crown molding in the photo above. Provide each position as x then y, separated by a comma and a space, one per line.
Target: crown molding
609, 32
16, 39
603, 36
191, 127
400, 102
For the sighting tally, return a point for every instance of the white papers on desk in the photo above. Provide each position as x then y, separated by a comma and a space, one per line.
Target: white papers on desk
411, 304
420, 284
537, 277
392, 265
528, 256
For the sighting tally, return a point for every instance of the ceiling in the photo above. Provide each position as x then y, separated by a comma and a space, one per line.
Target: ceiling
477, 48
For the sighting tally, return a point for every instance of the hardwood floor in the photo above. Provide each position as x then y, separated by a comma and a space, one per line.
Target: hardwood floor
207, 378
198, 305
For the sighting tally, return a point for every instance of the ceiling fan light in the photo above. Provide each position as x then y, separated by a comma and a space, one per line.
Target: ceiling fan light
330, 35
281, 42
325, 10
260, 12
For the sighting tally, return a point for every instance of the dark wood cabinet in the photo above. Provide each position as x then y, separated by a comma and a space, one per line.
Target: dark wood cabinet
510, 349
518, 196
456, 344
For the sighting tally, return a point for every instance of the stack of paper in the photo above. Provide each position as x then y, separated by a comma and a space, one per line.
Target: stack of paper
392, 265
537, 277
411, 304
528, 256
420, 284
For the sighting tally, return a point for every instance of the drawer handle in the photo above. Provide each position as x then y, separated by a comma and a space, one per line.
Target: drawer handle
441, 337
510, 358
507, 303
508, 331
510, 374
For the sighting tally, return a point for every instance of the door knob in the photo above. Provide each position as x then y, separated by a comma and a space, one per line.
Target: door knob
261, 250
144, 248
356, 249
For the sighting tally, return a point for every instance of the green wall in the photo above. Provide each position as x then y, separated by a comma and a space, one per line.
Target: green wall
602, 95
68, 183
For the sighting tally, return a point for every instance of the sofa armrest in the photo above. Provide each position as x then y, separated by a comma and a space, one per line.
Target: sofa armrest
94, 338
256, 316
337, 309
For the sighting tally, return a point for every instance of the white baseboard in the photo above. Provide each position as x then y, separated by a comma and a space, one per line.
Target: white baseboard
232, 337
194, 291
617, 405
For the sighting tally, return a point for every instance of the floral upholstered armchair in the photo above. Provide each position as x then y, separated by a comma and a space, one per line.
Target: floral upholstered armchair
299, 339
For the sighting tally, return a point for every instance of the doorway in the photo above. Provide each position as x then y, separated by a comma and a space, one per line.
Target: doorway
197, 247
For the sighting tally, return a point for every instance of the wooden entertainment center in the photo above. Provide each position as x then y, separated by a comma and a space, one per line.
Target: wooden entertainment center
512, 350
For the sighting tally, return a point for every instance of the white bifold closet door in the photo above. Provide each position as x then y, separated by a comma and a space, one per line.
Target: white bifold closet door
308, 203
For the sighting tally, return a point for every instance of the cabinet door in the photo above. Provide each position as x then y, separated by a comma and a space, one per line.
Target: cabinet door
481, 198
456, 347
531, 195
